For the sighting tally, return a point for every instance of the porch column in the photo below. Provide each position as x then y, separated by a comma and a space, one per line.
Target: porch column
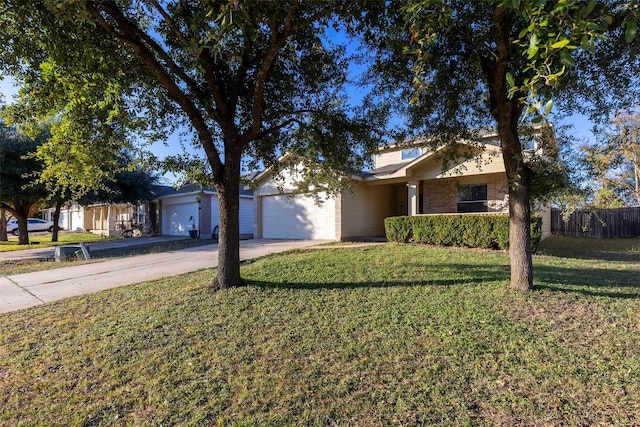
412, 195
109, 219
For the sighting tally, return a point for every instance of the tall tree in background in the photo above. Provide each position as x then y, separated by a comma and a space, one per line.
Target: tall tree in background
614, 161
20, 194
500, 63
625, 139
132, 184
249, 77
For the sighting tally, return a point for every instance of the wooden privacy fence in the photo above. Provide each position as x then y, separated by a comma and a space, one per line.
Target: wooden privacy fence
599, 223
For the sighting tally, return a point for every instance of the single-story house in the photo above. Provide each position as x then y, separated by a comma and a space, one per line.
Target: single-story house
100, 218
191, 204
406, 180
172, 212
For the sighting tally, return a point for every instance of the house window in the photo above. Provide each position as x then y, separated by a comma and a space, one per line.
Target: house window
472, 198
410, 153
528, 142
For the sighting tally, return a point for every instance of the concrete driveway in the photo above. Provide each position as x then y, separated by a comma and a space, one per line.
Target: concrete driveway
31, 289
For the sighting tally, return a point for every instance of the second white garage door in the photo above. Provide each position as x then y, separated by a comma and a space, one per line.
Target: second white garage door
175, 220
298, 217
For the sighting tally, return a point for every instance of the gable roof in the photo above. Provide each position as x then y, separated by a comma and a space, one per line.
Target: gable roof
261, 175
190, 188
401, 169
488, 136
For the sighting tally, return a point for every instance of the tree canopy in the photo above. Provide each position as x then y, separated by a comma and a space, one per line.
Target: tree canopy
613, 162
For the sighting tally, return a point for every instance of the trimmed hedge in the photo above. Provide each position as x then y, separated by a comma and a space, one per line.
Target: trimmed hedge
473, 231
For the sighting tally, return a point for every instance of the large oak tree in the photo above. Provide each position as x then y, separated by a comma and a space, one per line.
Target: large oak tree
501, 64
251, 78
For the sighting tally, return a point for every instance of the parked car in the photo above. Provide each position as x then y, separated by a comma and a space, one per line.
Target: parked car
33, 224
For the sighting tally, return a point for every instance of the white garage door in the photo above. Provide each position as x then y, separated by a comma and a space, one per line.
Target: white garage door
175, 218
299, 217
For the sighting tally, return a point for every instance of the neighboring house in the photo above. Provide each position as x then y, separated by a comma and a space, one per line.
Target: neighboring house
102, 219
406, 180
172, 212
179, 209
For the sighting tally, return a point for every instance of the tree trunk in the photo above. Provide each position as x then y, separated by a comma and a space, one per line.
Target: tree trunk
520, 236
23, 234
56, 221
228, 274
507, 111
519, 178
3, 226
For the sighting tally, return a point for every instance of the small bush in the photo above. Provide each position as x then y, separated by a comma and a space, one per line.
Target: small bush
474, 231
500, 233
398, 228
478, 232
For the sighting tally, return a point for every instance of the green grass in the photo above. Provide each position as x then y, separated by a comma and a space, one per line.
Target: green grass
41, 241
583, 247
373, 336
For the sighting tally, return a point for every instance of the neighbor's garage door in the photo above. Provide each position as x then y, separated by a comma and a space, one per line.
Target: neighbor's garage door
298, 217
175, 218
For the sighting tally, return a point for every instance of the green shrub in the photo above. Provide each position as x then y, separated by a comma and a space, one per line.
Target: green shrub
500, 232
478, 231
474, 231
423, 230
398, 229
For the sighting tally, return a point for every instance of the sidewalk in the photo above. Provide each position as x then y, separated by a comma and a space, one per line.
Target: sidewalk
31, 289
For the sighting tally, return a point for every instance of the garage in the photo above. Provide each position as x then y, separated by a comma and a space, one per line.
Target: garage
298, 217
175, 218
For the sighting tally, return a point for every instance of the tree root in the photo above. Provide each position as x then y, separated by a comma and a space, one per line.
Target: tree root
215, 285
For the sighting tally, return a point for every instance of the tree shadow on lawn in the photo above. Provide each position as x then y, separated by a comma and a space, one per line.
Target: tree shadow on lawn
588, 281
443, 275
585, 281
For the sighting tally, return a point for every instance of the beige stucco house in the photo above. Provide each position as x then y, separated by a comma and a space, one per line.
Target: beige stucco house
406, 180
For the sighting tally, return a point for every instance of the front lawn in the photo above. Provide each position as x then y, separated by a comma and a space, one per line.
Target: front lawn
376, 336
41, 240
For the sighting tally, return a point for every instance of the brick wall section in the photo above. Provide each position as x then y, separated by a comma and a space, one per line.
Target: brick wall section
441, 195
498, 193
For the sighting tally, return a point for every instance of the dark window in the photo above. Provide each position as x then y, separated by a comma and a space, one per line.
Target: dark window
410, 153
472, 198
